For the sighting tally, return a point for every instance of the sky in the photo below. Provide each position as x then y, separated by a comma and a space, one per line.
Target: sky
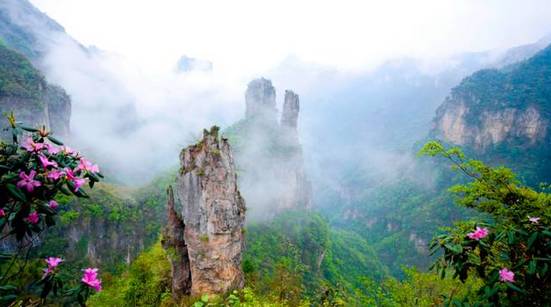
149, 111
247, 37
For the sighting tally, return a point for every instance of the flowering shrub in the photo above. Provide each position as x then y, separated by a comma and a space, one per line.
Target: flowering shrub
34, 168
510, 250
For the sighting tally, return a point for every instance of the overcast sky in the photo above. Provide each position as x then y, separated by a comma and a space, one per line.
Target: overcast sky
255, 35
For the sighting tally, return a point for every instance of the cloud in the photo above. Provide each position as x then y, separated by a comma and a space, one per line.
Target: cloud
245, 37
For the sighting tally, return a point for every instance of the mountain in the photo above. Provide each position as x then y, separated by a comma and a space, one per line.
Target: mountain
206, 219
503, 116
188, 64
367, 122
268, 153
25, 91
500, 116
26, 29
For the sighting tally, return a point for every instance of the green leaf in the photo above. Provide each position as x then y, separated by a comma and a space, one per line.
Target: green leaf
28, 128
65, 190
474, 259
16, 192
510, 285
93, 176
532, 239
455, 248
55, 141
8, 288
532, 267
511, 237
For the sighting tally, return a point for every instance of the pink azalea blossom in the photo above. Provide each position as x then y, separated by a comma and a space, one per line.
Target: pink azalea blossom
479, 233
78, 182
534, 220
53, 204
2, 213
31, 146
45, 162
86, 165
506, 276
55, 174
68, 150
52, 149
90, 278
28, 181
52, 263
33, 218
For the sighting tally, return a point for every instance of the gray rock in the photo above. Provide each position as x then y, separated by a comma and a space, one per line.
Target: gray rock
291, 108
213, 212
174, 241
260, 100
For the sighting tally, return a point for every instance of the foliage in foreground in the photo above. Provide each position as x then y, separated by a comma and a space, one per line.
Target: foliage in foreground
32, 173
510, 251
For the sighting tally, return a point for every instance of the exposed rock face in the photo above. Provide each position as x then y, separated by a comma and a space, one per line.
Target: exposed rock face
504, 116
59, 110
495, 126
291, 108
212, 212
494, 107
175, 243
260, 100
269, 152
24, 91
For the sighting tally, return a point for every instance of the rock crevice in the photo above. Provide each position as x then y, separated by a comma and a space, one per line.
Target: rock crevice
206, 219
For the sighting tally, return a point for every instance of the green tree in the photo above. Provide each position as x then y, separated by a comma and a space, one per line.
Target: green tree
509, 249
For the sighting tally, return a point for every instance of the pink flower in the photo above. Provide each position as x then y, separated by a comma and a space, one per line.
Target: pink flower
90, 278
33, 218
52, 149
55, 174
31, 146
534, 220
2, 213
86, 165
479, 233
53, 204
45, 162
28, 181
78, 182
52, 263
68, 150
506, 276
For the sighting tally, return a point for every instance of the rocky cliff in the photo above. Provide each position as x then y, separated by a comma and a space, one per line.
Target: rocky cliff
26, 29
208, 207
174, 241
268, 152
260, 100
24, 91
503, 115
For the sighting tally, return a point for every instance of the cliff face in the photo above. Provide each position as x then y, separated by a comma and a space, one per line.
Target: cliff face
494, 127
211, 212
260, 100
24, 91
269, 153
29, 31
503, 115
174, 241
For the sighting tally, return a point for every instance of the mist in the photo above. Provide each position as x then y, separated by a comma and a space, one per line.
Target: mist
362, 79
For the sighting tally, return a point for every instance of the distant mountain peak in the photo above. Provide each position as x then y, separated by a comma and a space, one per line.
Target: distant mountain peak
188, 64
